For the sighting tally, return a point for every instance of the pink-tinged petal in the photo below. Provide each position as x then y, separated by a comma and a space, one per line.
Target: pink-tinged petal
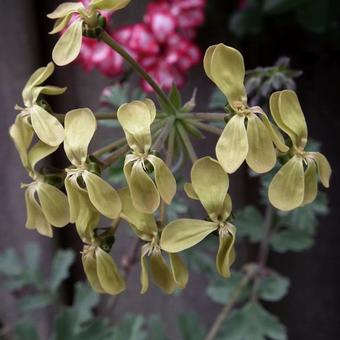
166, 75
137, 38
160, 19
107, 61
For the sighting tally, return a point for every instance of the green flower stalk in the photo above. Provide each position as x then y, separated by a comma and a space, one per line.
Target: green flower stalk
68, 46
88, 194
144, 225
136, 119
209, 184
33, 118
248, 135
296, 184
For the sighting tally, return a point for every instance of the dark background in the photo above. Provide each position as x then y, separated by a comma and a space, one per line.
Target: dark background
311, 310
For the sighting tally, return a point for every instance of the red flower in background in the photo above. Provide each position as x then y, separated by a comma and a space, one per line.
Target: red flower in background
162, 43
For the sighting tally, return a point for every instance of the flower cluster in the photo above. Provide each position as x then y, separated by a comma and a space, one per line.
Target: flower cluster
248, 136
161, 43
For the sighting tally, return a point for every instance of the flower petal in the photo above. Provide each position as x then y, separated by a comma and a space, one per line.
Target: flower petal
261, 156
232, 146
293, 117
226, 254
311, 182
165, 180
38, 152
35, 217
145, 223
90, 269
88, 217
110, 5
72, 197
207, 60
190, 191
179, 270
210, 183
48, 90
109, 276
136, 118
22, 135
144, 277
65, 9
37, 78
68, 46
324, 168
80, 126
53, 204
184, 233
161, 274
275, 111
275, 135
102, 195
61, 24
48, 128
227, 71
144, 194
286, 189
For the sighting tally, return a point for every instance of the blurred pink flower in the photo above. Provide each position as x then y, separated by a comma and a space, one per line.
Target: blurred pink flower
176, 56
162, 43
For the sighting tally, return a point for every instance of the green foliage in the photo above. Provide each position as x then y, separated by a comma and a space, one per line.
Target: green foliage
252, 322
273, 287
190, 327
221, 290
249, 222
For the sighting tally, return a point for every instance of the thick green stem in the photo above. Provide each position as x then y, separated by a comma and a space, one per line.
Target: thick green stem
186, 142
106, 38
206, 127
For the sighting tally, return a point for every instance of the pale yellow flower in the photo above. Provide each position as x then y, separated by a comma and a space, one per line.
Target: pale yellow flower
46, 205
296, 183
34, 118
144, 225
88, 194
68, 46
248, 135
101, 271
136, 119
209, 184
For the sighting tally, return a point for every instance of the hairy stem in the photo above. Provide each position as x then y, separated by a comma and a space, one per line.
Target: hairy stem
168, 161
263, 250
114, 156
159, 142
99, 116
186, 142
109, 148
213, 332
106, 38
206, 127
202, 116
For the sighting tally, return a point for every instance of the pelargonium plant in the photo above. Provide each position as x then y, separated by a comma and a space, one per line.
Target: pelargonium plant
155, 137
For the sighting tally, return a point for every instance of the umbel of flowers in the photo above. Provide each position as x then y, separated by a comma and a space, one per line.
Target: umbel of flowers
154, 139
